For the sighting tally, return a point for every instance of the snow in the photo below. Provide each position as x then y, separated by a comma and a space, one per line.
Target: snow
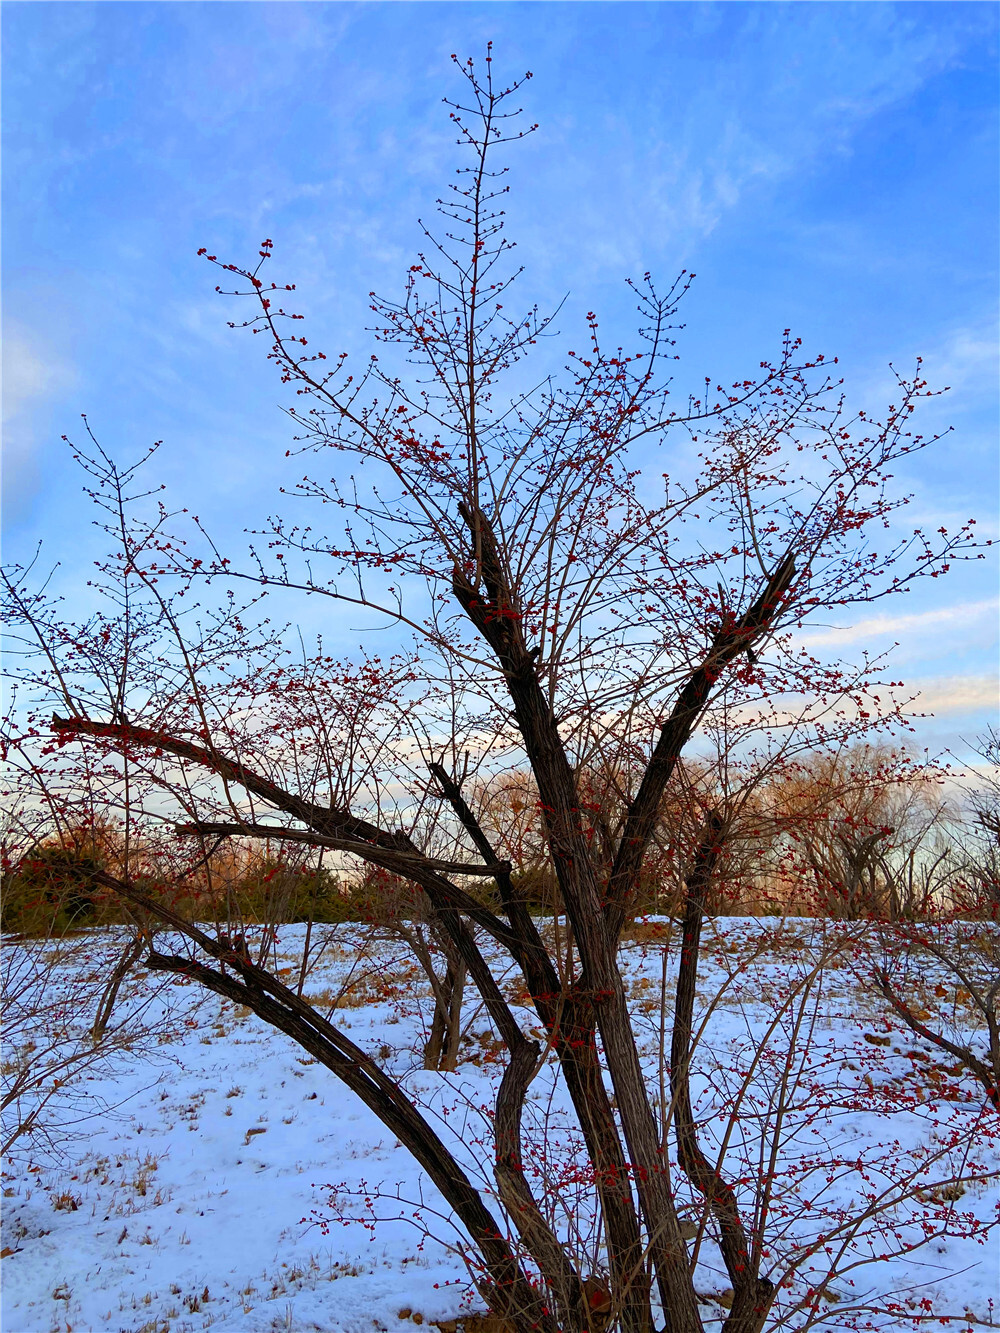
191, 1195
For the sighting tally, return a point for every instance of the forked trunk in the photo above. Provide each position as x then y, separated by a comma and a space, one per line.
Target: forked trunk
441, 1047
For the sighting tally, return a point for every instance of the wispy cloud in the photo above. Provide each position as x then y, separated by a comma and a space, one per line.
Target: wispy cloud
963, 360
754, 139
968, 357
906, 626
950, 695
695, 144
32, 373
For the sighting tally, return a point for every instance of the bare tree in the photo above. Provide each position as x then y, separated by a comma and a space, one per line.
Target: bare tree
982, 894
569, 614
862, 833
941, 976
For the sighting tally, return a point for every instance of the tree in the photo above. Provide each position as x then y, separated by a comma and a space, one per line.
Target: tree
571, 616
982, 894
861, 831
954, 949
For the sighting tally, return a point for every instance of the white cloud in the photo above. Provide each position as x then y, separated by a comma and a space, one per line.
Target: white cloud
965, 358
969, 356
905, 626
26, 373
32, 375
948, 695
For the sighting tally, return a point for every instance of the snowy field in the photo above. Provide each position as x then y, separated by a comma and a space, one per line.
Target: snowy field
206, 1175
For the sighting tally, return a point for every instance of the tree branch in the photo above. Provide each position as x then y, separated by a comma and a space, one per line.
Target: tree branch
392, 851
310, 839
752, 1295
975, 1066
729, 642
324, 819
569, 1021
271, 1000
510, 1288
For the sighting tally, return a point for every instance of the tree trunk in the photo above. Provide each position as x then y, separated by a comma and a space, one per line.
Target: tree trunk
129, 957
441, 1047
753, 1295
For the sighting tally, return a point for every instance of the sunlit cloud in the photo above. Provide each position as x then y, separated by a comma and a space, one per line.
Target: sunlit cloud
950, 695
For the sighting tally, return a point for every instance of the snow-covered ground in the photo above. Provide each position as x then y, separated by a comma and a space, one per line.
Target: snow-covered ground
200, 1182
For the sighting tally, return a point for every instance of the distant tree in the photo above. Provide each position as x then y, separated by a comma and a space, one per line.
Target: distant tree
941, 975
859, 834
983, 865
572, 616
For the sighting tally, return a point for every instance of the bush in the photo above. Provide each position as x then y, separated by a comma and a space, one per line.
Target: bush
52, 889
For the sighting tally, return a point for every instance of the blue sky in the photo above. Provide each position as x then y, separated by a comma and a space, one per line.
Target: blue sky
826, 167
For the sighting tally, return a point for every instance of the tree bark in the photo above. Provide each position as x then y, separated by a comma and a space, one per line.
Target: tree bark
569, 1021
498, 620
